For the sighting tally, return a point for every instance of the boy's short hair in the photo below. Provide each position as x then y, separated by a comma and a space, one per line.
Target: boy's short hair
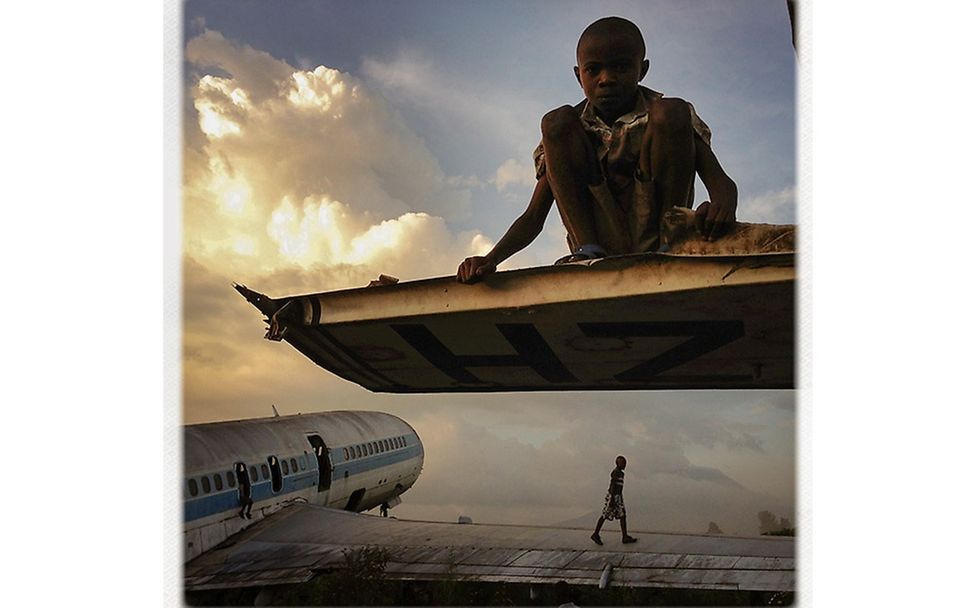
616, 27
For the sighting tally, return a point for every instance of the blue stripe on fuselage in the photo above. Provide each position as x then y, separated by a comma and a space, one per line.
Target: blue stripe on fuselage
229, 500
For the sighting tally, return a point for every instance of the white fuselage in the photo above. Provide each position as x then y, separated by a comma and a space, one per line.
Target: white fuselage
345, 460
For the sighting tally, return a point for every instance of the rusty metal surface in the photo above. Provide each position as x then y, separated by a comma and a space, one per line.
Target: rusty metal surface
295, 544
649, 321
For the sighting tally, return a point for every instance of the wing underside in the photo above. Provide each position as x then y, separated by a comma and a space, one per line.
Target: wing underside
640, 322
295, 544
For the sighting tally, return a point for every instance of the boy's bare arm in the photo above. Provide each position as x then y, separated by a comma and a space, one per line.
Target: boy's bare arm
720, 212
522, 232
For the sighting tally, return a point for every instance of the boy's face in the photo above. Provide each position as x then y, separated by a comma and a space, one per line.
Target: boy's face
609, 70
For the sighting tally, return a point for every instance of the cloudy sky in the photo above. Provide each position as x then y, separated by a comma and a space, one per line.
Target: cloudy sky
328, 142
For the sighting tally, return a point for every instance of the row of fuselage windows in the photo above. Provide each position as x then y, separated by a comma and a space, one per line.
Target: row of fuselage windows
374, 447
287, 466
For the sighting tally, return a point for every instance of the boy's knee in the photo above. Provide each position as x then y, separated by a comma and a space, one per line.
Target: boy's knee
671, 114
558, 122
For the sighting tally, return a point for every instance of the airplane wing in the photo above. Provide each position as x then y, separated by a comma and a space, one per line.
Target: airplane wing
295, 544
636, 322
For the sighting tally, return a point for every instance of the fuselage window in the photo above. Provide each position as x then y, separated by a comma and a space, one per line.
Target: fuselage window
231, 480
358, 451
206, 484
294, 466
370, 449
193, 488
345, 451
284, 466
218, 481
253, 473
277, 482
264, 472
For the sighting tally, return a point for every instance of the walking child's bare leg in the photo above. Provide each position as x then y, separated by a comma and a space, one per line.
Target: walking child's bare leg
571, 165
667, 153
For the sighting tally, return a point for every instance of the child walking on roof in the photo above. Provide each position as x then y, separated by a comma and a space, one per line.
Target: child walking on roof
614, 507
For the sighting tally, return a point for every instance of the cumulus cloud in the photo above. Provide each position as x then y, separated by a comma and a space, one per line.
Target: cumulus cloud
295, 180
303, 167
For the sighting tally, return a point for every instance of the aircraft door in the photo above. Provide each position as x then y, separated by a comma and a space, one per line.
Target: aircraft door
324, 462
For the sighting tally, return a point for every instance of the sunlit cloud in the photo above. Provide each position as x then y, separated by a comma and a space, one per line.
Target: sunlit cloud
214, 118
296, 180
318, 88
307, 168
